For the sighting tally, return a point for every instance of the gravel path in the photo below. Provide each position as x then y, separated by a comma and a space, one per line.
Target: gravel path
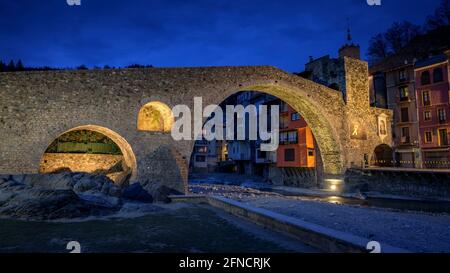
415, 231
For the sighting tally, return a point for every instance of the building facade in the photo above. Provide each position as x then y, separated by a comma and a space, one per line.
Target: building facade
432, 91
392, 86
296, 148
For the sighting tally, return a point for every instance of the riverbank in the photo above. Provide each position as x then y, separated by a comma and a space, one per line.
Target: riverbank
412, 231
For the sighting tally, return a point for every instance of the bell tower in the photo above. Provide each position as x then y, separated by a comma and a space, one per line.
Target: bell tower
350, 49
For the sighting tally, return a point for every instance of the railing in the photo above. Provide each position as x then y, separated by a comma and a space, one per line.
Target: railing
411, 164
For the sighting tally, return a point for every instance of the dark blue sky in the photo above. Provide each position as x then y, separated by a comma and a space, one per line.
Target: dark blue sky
282, 33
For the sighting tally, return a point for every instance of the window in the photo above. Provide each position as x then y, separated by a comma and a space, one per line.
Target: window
402, 75
405, 135
295, 116
283, 137
428, 137
405, 114
427, 115
310, 152
404, 93
426, 98
289, 155
442, 117
292, 137
200, 158
283, 107
438, 76
443, 139
425, 78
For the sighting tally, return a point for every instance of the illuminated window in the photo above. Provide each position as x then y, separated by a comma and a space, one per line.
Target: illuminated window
155, 117
293, 137
428, 137
427, 115
442, 117
426, 98
404, 93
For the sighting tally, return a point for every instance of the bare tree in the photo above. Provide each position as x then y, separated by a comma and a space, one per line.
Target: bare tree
441, 16
400, 34
378, 48
392, 41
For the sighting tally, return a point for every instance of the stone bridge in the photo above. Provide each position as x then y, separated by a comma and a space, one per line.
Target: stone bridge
37, 107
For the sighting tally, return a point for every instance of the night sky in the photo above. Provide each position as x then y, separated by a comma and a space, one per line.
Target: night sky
170, 33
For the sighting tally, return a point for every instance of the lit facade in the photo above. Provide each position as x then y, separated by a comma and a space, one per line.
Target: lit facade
432, 91
296, 149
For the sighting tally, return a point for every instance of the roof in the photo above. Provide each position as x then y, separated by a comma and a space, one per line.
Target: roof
435, 41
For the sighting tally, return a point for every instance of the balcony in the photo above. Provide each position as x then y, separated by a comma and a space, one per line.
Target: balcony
406, 140
288, 142
404, 99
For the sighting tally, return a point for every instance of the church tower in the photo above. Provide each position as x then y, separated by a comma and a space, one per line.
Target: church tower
350, 49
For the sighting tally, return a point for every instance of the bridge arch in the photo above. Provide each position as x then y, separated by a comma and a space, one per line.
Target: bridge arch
323, 128
125, 148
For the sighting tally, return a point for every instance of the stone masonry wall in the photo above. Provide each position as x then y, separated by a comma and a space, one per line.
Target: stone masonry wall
37, 107
360, 116
89, 163
420, 184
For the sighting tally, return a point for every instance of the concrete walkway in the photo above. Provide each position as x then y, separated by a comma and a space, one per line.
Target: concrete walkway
413, 231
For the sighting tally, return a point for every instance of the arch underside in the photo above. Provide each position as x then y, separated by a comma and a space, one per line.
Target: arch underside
127, 152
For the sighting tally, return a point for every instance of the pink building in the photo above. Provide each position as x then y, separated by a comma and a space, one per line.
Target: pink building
433, 106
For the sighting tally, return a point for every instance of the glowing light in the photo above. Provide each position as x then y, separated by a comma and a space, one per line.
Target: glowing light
333, 187
155, 116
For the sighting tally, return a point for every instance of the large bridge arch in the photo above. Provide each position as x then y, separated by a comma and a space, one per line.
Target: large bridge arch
322, 127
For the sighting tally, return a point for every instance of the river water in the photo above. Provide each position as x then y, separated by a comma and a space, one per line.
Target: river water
175, 228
